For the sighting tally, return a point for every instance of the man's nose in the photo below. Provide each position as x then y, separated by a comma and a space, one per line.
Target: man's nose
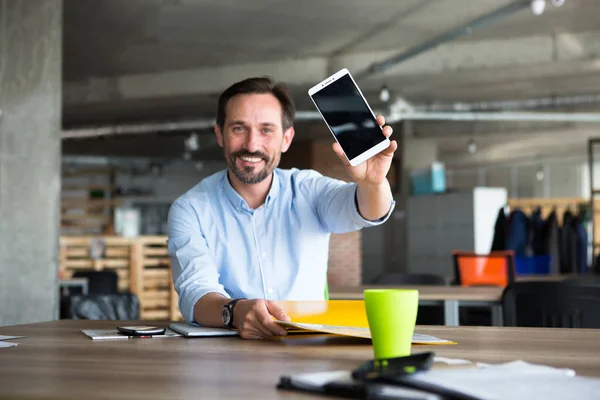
252, 141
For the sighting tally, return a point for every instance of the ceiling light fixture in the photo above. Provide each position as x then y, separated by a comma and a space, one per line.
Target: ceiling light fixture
558, 3
191, 143
384, 94
539, 174
538, 6
472, 146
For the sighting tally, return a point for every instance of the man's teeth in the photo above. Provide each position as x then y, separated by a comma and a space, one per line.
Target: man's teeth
251, 159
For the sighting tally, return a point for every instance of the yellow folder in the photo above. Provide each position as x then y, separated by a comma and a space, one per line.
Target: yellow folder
340, 317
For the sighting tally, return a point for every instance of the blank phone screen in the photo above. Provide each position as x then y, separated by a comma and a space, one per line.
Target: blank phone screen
348, 116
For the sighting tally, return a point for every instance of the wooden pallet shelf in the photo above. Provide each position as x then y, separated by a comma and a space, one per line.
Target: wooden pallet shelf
142, 265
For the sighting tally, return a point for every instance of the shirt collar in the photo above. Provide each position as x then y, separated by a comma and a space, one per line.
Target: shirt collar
239, 203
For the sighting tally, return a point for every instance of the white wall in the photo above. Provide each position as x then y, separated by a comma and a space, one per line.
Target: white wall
540, 178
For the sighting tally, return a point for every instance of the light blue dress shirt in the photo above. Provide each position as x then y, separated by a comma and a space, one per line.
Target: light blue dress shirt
278, 251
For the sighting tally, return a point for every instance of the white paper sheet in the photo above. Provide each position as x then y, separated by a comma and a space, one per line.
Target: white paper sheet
451, 361
2, 337
516, 380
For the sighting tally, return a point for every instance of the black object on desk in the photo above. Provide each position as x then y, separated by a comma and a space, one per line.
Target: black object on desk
386, 379
377, 370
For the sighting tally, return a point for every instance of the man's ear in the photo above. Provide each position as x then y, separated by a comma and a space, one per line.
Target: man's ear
288, 135
219, 134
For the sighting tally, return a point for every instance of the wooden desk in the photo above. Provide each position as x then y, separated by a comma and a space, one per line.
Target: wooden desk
451, 297
57, 361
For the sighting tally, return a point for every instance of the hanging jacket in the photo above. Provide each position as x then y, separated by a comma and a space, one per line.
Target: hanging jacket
500, 231
568, 244
537, 232
582, 242
551, 242
518, 233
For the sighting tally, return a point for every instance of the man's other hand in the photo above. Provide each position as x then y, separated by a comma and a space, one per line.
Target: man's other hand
254, 319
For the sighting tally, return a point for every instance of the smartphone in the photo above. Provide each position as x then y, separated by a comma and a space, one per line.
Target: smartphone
349, 117
141, 330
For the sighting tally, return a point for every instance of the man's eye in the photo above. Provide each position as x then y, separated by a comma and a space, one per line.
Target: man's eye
267, 130
238, 129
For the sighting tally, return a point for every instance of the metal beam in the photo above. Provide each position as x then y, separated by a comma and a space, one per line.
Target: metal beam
446, 37
495, 116
515, 104
393, 117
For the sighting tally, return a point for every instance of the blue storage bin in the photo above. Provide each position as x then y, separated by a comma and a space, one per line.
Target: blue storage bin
428, 180
532, 265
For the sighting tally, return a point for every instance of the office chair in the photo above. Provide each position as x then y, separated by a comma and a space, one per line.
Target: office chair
121, 306
552, 304
494, 269
99, 282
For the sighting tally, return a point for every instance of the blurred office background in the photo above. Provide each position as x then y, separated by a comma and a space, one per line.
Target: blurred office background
108, 106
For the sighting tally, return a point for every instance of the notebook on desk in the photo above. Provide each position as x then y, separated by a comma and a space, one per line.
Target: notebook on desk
188, 330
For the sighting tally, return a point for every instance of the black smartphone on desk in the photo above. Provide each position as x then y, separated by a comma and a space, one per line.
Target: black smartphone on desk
141, 330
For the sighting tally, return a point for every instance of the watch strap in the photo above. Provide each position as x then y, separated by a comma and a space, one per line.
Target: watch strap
230, 305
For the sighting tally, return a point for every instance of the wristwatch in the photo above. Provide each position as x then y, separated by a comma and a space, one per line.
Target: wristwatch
227, 313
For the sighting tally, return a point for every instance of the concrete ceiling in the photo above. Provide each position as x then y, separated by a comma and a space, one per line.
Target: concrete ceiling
114, 37
144, 60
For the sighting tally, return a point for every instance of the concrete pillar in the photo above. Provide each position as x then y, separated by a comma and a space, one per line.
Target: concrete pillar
30, 100
414, 153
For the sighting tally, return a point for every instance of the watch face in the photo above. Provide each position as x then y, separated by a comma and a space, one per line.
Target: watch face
225, 316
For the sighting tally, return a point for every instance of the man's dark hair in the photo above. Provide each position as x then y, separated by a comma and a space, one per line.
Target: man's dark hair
259, 86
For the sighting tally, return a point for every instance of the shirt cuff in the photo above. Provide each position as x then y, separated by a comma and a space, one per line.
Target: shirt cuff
368, 222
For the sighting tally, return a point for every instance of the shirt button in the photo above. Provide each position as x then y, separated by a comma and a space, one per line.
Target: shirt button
264, 254
270, 290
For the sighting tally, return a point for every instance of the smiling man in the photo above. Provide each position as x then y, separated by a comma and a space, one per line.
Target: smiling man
253, 233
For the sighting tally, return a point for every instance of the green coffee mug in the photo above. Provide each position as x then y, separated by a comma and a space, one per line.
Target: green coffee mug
392, 316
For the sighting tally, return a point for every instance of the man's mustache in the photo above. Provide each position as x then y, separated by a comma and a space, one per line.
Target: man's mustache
248, 154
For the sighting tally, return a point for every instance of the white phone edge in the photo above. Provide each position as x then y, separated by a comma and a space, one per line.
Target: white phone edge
379, 147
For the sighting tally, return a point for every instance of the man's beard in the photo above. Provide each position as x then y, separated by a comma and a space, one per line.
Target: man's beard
247, 175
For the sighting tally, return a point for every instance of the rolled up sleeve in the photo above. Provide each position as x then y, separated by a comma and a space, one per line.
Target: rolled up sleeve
193, 266
336, 205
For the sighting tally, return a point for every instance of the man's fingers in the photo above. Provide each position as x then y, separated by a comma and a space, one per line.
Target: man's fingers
387, 131
256, 328
251, 334
337, 149
391, 148
277, 311
272, 327
265, 314
381, 120
264, 330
